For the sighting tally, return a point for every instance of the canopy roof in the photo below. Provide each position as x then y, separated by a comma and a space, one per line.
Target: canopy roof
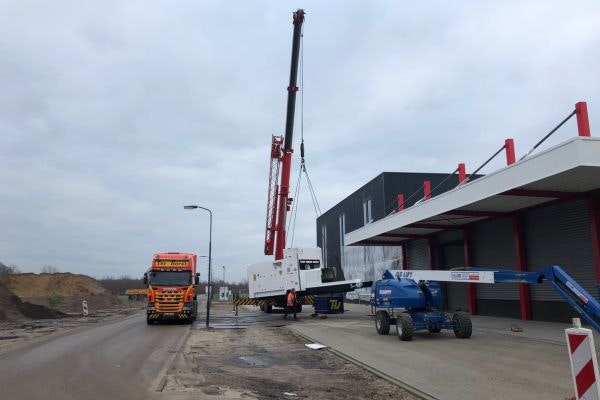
566, 171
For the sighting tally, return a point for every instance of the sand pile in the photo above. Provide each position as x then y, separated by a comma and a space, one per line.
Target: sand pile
62, 291
12, 308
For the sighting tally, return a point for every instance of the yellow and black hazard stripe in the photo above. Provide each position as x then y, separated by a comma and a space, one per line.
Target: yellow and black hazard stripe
309, 300
178, 315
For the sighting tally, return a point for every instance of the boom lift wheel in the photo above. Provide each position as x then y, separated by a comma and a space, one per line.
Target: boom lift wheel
382, 322
463, 327
404, 327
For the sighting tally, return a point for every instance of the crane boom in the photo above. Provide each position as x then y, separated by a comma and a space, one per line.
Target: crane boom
278, 200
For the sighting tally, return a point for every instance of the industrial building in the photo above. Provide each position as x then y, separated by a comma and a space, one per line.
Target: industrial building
541, 210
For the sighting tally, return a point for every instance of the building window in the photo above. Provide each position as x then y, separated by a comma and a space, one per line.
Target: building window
342, 223
367, 216
324, 244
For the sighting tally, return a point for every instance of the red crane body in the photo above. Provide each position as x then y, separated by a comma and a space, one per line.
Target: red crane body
278, 201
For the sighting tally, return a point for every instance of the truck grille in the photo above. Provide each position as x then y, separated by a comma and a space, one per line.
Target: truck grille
169, 302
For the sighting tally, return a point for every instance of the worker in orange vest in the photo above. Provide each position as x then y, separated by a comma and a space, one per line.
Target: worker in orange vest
290, 303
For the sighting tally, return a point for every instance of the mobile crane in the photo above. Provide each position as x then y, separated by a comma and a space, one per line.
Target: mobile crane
417, 293
298, 268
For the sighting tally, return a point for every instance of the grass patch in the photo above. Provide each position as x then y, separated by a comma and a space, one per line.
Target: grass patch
55, 300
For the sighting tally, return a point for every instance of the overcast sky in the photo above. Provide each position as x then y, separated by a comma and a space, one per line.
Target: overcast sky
115, 114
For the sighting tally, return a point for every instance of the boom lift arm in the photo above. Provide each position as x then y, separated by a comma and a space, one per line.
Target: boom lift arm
281, 158
585, 304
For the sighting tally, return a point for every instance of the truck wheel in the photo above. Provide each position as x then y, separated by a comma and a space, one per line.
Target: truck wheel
268, 308
382, 322
405, 327
462, 325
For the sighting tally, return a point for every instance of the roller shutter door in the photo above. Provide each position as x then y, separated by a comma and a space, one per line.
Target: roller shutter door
417, 254
560, 235
453, 256
449, 237
492, 245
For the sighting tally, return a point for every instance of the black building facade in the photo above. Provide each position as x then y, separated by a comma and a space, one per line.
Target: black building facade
372, 202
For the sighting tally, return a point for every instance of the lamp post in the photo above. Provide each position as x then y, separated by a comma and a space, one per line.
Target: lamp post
208, 300
223, 275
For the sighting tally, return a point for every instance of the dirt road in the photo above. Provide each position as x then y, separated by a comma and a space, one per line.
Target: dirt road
265, 360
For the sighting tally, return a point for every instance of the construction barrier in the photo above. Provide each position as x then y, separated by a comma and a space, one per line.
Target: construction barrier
249, 302
584, 365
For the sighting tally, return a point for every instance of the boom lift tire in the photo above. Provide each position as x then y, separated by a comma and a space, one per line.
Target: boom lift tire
405, 327
382, 322
463, 328
149, 321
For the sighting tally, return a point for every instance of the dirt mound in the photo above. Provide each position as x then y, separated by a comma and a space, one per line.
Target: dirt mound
12, 308
62, 291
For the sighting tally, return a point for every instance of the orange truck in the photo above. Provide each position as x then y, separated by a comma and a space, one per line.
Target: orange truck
172, 281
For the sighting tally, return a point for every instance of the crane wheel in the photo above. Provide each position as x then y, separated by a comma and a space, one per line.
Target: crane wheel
382, 322
462, 325
405, 327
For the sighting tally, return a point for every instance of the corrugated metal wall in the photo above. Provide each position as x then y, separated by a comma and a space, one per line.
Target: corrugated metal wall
453, 256
417, 254
560, 235
492, 245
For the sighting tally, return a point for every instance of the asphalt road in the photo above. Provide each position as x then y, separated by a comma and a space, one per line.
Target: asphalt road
115, 360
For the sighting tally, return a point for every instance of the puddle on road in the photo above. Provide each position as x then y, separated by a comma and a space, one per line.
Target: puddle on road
256, 361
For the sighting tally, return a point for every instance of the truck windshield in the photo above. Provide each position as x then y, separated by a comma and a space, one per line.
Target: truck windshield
170, 278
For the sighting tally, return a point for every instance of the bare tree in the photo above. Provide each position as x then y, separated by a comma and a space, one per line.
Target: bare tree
9, 269
50, 269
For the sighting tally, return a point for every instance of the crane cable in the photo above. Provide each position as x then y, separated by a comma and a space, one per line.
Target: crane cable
292, 222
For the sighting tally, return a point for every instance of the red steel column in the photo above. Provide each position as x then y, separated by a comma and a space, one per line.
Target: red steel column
427, 189
594, 212
521, 259
462, 173
583, 123
509, 145
471, 293
400, 202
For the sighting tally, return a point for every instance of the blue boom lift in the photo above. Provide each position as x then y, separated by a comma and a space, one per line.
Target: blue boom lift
418, 296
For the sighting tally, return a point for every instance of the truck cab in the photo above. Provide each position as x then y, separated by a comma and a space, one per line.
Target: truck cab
172, 281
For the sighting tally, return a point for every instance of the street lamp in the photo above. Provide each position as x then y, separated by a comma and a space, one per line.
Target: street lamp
223, 275
209, 260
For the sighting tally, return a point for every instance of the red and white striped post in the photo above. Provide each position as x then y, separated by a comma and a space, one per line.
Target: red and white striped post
584, 365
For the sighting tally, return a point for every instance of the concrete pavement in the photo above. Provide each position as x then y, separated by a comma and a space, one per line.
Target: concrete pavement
494, 363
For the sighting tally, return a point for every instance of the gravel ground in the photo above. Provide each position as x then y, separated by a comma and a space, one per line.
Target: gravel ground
267, 362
